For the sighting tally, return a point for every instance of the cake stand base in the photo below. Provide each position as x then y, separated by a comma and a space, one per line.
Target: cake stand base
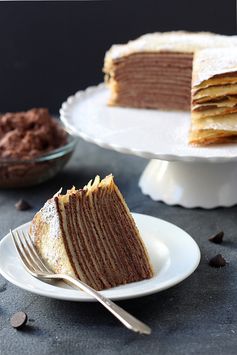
191, 184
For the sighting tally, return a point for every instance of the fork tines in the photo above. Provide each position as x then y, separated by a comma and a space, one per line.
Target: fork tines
28, 253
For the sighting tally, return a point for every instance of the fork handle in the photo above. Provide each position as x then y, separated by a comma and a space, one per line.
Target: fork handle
127, 319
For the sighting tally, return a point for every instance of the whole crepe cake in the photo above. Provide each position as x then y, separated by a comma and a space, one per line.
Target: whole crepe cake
90, 234
179, 71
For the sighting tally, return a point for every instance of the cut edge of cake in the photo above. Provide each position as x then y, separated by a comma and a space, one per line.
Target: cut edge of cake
144, 72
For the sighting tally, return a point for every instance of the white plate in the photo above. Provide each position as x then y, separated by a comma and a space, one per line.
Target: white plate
152, 134
174, 256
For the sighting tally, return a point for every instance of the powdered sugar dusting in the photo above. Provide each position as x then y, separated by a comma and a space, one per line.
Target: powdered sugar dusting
32, 232
50, 216
179, 41
213, 61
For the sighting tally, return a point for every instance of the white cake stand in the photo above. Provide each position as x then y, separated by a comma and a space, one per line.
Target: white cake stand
177, 173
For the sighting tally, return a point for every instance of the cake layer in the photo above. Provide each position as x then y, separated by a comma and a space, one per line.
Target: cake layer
146, 79
206, 137
221, 79
214, 91
229, 101
213, 112
221, 122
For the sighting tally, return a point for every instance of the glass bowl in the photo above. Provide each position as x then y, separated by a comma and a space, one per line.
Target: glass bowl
23, 173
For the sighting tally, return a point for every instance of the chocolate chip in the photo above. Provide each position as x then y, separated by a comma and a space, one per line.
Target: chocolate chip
217, 261
217, 238
18, 320
22, 205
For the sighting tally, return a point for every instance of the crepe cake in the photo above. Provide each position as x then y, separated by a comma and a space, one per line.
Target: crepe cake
155, 70
90, 234
214, 96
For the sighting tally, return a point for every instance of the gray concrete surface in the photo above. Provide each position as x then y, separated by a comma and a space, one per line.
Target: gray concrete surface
198, 316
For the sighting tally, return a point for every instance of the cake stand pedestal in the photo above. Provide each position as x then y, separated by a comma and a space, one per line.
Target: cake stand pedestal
177, 173
190, 184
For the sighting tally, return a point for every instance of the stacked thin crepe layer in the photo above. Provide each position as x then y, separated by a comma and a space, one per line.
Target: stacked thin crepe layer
214, 97
146, 80
90, 234
155, 71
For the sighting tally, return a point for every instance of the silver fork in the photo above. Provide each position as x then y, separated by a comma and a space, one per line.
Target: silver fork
37, 268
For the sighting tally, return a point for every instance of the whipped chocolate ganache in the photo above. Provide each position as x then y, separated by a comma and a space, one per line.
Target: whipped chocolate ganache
30, 134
